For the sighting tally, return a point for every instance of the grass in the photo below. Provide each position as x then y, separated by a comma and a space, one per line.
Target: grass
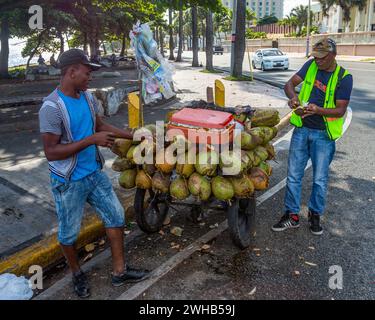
213, 71
241, 78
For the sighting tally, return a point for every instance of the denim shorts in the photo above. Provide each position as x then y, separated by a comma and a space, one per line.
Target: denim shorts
71, 197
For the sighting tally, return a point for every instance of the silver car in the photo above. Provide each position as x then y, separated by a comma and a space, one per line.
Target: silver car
272, 58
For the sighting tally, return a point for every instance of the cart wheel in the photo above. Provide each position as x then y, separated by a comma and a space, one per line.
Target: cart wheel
150, 211
195, 213
241, 221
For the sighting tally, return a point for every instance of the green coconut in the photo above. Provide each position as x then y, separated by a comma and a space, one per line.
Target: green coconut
222, 188
206, 163
271, 151
127, 178
121, 147
143, 180
130, 154
165, 161
243, 187
179, 188
199, 186
261, 152
257, 135
151, 127
266, 167
161, 182
274, 130
240, 117
268, 134
259, 179
121, 164
230, 163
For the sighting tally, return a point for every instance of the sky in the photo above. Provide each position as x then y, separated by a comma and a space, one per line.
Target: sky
290, 4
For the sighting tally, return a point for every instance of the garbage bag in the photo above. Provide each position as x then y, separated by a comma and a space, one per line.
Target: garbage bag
14, 288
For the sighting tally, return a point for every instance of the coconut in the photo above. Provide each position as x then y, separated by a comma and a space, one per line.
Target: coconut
199, 186
121, 164
258, 135
259, 179
165, 161
151, 127
254, 158
271, 151
261, 152
245, 161
222, 188
121, 147
275, 130
245, 141
127, 178
185, 170
206, 163
230, 163
268, 134
240, 117
130, 154
143, 180
266, 167
161, 182
243, 187
179, 189
149, 168
181, 141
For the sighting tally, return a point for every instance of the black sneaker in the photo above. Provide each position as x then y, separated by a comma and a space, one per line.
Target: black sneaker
81, 285
130, 275
287, 221
315, 227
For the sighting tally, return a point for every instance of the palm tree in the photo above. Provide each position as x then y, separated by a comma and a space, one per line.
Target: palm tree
171, 44
346, 6
209, 40
301, 14
194, 27
180, 31
239, 44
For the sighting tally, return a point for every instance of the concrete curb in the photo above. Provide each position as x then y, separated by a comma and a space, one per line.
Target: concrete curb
47, 253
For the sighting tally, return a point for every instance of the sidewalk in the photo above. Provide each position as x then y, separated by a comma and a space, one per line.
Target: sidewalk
24, 176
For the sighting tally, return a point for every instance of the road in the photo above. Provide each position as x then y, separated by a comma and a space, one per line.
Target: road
290, 265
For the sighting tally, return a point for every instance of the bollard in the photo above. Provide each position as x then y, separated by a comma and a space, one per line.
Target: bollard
219, 93
134, 110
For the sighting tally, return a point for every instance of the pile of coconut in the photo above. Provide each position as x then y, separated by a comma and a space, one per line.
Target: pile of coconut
201, 171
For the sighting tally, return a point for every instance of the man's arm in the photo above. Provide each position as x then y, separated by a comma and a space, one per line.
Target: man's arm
120, 133
54, 150
290, 91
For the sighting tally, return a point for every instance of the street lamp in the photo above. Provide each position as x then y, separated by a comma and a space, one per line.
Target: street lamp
234, 23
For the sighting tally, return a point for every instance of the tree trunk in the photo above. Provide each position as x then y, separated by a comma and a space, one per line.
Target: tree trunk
157, 35
180, 33
171, 44
123, 45
161, 41
194, 28
36, 48
239, 44
104, 49
209, 41
85, 42
61, 37
4, 52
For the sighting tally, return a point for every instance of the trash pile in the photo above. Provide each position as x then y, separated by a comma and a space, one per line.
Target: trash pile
201, 172
155, 71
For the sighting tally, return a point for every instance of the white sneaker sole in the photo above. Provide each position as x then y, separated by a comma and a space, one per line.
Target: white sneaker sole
286, 228
319, 233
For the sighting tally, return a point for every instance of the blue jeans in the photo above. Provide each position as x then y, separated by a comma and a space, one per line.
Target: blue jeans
71, 197
315, 145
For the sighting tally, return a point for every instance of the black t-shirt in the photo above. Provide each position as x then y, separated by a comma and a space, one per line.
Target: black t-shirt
319, 91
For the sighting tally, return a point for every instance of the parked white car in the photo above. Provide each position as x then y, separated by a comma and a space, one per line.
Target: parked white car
272, 58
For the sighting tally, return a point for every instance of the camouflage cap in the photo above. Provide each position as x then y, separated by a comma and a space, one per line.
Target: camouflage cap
323, 47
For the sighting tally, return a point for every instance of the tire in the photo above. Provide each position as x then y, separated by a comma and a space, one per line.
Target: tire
254, 67
151, 211
286, 69
241, 221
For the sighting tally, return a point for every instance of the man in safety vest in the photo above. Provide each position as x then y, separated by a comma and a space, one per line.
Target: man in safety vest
318, 118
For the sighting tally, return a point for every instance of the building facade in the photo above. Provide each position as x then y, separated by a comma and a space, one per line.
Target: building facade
262, 7
363, 20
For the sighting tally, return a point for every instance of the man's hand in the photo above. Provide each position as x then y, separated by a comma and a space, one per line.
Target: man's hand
293, 102
103, 139
310, 110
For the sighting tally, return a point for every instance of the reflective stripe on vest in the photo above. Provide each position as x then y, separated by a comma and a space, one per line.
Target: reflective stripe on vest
333, 125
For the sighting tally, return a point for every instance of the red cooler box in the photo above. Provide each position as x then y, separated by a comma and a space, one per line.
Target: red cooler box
202, 126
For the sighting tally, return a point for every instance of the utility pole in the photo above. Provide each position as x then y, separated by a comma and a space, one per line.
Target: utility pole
234, 24
308, 30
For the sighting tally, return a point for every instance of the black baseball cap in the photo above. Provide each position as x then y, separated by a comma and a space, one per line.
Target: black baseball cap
75, 56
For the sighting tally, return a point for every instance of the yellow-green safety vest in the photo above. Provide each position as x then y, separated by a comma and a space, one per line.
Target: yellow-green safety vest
333, 125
